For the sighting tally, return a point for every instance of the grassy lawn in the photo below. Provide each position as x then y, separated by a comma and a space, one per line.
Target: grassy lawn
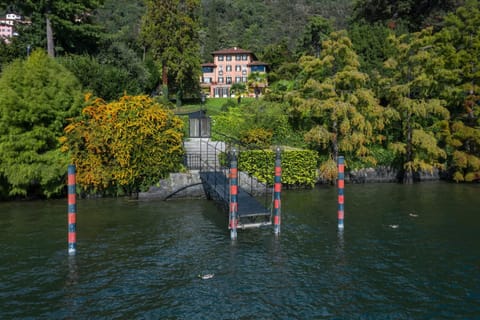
212, 105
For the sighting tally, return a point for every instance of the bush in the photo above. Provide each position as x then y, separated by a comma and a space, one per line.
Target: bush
299, 167
258, 137
125, 145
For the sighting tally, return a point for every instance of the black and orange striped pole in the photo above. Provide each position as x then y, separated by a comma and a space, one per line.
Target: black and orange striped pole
72, 210
341, 195
277, 189
233, 203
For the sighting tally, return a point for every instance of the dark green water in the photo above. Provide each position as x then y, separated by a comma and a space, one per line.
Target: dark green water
407, 252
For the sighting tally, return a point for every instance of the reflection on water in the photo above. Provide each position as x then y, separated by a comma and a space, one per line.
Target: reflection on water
142, 259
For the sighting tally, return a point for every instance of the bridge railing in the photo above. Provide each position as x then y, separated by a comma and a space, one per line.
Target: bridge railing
247, 182
213, 170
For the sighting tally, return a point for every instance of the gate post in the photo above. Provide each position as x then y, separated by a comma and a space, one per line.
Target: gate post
277, 188
341, 186
72, 210
233, 203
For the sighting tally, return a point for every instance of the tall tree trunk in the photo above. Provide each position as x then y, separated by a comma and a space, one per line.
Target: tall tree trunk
179, 98
165, 81
50, 43
408, 174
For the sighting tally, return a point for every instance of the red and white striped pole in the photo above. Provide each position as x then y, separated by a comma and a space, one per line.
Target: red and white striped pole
341, 186
72, 210
277, 189
233, 203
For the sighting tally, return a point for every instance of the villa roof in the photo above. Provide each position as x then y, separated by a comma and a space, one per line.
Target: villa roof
209, 64
233, 50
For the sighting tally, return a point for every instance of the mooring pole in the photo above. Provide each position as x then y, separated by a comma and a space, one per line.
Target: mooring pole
341, 186
233, 205
72, 210
277, 189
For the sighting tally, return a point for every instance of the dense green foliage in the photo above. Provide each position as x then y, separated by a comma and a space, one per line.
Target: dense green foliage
243, 121
414, 75
60, 25
334, 105
124, 146
257, 24
37, 95
400, 87
298, 166
111, 80
459, 45
416, 14
170, 31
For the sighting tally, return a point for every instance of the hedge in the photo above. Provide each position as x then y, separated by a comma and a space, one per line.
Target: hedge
299, 167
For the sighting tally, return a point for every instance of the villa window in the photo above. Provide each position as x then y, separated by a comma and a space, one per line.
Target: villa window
207, 69
238, 68
220, 79
238, 79
238, 57
229, 68
220, 72
220, 58
229, 80
258, 68
229, 58
244, 57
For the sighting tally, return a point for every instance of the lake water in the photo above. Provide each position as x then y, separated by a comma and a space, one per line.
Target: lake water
407, 252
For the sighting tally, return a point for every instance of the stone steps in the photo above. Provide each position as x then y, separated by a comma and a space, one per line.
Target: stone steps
202, 152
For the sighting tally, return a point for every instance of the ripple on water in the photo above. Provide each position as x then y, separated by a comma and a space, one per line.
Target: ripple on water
142, 261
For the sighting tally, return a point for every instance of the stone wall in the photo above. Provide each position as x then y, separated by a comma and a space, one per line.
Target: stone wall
385, 174
379, 174
178, 185
188, 185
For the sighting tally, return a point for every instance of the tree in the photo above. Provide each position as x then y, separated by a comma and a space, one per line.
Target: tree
120, 47
170, 32
371, 45
36, 97
412, 89
255, 24
257, 82
9, 52
316, 31
459, 44
276, 55
105, 80
418, 14
334, 105
238, 89
64, 25
125, 145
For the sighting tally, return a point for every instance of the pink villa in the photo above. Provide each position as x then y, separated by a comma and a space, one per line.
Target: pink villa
6, 32
7, 26
230, 66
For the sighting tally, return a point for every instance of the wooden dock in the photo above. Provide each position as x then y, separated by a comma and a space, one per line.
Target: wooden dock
251, 212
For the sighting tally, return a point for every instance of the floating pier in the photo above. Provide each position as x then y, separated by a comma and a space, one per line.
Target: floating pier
244, 210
